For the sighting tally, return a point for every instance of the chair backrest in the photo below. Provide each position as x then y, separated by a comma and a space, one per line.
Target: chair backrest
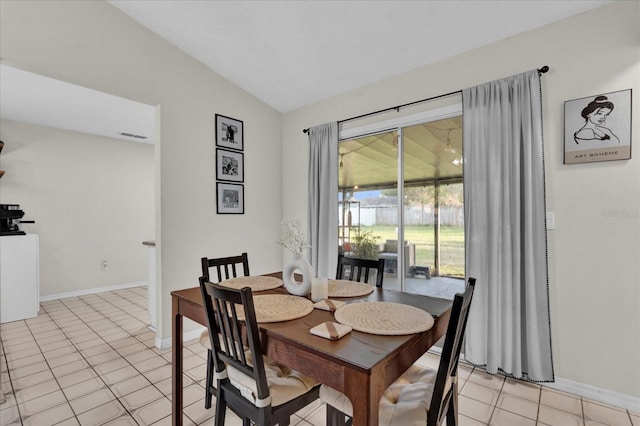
224, 321
358, 269
448, 368
225, 266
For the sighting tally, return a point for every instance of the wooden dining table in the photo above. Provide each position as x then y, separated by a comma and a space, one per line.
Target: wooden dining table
360, 365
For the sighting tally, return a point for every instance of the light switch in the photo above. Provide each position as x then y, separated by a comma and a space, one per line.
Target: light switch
551, 222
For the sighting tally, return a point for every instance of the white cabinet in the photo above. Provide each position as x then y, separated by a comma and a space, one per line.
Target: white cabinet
19, 277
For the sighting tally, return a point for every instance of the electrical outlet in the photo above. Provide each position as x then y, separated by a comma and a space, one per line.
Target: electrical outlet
104, 265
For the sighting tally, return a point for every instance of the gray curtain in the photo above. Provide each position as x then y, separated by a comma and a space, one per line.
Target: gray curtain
505, 230
322, 215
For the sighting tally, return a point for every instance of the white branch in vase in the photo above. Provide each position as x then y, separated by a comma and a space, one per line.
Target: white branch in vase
292, 238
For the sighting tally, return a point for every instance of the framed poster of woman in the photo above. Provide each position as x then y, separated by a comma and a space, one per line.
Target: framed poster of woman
598, 128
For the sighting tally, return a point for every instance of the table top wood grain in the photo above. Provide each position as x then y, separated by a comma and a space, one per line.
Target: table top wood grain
359, 364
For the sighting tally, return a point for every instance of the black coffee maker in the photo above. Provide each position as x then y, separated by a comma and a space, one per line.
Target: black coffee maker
10, 219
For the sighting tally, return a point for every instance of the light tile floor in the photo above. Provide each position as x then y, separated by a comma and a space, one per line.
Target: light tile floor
91, 360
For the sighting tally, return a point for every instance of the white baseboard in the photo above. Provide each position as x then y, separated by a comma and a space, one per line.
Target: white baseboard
159, 343
91, 291
583, 390
593, 393
188, 335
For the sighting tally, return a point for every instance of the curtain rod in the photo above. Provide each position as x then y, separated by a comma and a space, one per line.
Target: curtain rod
542, 70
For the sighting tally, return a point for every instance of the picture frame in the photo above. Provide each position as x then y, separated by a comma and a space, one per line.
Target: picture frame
229, 165
229, 132
230, 198
598, 128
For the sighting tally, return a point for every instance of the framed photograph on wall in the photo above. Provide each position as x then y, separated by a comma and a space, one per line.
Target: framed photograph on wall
229, 165
229, 132
598, 128
230, 198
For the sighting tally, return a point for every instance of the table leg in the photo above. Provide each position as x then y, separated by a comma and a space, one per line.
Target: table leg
365, 404
176, 357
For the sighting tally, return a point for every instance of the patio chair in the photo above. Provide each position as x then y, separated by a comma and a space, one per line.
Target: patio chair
254, 387
225, 269
389, 252
354, 269
421, 395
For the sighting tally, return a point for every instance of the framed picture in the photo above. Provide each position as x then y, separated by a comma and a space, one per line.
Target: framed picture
229, 165
230, 198
229, 132
598, 128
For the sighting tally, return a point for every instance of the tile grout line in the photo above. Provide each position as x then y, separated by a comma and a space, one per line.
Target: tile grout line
99, 376
116, 350
35, 340
13, 391
59, 313
80, 353
75, 415
496, 404
90, 305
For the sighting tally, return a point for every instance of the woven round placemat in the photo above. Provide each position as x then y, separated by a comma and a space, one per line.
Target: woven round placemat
279, 307
256, 283
385, 318
346, 288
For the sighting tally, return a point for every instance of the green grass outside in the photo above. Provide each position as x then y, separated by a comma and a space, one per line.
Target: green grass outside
451, 245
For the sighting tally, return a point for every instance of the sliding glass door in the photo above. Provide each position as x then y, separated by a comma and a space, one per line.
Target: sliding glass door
401, 200
367, 215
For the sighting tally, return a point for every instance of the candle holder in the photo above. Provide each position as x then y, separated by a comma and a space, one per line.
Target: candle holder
319, 289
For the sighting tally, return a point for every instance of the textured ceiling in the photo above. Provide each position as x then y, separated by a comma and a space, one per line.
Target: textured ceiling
294, 53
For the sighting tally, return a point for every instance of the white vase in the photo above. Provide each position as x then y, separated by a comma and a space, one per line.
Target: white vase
303, 267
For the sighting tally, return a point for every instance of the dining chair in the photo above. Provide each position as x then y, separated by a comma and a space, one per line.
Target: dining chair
354, 269
225, 268
254, 387
420, 395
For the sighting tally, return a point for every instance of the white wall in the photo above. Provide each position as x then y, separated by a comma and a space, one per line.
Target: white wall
91, 198
593, 258
95, 45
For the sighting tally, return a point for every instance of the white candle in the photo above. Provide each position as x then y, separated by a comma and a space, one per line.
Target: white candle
319, 289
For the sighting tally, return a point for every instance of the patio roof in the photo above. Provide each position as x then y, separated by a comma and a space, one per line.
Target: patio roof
432, 151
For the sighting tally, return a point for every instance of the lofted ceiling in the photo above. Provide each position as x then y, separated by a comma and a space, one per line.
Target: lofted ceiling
286, 53
293, 53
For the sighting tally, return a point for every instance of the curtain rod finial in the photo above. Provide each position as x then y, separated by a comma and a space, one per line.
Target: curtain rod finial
305, 130
543, 70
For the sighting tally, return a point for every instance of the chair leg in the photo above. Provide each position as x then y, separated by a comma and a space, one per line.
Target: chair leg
221, 408
452, 411
208, 394
336, 417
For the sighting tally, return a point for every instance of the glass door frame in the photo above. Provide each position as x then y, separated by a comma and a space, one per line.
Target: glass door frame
397, 124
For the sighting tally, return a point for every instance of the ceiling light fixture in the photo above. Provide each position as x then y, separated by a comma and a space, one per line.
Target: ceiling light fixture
448, 148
